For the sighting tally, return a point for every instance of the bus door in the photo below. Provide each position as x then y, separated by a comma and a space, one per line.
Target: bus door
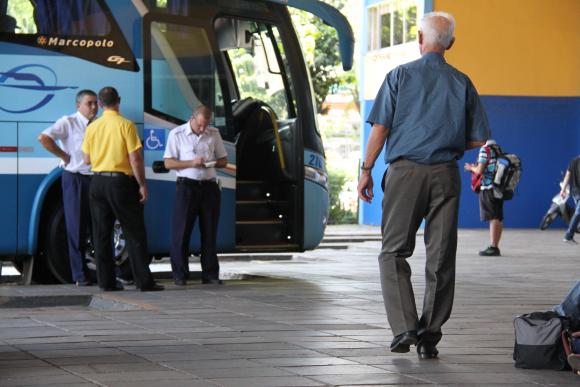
8, 181
264, 116
181, 72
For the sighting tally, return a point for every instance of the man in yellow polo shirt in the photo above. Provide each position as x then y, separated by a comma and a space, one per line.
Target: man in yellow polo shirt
118, 191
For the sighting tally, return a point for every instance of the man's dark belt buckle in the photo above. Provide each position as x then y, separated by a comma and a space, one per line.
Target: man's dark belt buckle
110, 174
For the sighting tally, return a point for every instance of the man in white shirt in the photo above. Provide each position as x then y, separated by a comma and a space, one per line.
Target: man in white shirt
76, 177
194, 150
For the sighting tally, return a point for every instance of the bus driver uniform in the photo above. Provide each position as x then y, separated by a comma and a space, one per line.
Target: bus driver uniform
197, 193
76, 178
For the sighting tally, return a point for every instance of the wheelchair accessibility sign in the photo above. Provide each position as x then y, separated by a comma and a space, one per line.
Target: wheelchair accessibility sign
155, 139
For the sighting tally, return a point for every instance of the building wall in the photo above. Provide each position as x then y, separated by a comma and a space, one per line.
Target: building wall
522, 56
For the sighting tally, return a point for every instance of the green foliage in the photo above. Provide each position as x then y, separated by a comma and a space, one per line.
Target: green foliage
23, 12
338, 214
320, 45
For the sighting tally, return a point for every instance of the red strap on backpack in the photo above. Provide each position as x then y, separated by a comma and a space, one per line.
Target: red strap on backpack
476, 179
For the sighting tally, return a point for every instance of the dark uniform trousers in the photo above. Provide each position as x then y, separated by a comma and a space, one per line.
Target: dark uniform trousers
193, 199
414, 192
75, 197
117, 197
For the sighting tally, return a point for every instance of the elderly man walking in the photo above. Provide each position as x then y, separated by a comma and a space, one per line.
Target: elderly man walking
428, 113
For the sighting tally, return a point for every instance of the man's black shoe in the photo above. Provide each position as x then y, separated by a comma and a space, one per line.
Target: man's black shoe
427, 350
490, 252
117, 288
125, 282
83, 283
180, 282
153, 288
401, 343
212, 281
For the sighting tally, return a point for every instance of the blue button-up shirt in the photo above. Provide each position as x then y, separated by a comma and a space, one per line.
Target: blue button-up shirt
432, 111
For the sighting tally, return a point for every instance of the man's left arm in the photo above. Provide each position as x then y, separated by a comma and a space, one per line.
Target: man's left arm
220, 152
478, 131
138, 167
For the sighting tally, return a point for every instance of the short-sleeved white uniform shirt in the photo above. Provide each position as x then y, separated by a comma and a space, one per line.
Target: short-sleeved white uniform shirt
184, 144
70, 131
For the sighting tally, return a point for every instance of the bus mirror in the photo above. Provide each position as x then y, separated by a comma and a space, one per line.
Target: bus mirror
159, 167
233, 33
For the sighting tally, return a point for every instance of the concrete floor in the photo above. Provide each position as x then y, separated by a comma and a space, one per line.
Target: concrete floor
316, 319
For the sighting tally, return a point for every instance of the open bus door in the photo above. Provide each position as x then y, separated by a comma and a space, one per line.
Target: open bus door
181, 73
269, 182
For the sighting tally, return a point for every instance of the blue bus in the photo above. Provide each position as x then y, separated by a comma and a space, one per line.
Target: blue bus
241, 58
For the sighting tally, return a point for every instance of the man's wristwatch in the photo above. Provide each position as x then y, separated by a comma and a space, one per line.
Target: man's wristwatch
365, 168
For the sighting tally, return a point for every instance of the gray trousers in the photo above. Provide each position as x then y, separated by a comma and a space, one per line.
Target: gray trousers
414, 192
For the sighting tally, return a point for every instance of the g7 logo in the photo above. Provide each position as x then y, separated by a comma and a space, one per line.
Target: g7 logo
117, 59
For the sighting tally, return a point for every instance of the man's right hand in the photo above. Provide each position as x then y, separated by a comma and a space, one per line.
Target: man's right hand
143, 194
66, 159
365, 187
198, 162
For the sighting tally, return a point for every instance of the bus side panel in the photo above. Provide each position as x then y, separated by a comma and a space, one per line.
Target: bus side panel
315, 213
8, 193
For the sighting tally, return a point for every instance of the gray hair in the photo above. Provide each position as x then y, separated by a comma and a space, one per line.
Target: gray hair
81, 94
437, 36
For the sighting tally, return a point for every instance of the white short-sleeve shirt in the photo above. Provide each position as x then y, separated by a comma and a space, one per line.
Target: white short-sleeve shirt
184, 144
70, 131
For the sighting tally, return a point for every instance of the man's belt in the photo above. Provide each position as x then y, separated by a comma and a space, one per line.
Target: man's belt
111, 174
187, 180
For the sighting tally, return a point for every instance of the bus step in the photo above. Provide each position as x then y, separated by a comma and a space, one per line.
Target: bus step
270, 247
247, 210
256, 190
262, 232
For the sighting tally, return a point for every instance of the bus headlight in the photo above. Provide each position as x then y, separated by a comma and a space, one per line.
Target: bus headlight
317, 176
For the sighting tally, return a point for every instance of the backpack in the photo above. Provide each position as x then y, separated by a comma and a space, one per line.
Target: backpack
538, 342
508, 170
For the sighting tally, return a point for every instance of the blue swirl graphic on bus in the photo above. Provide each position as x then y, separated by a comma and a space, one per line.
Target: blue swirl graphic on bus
29, 80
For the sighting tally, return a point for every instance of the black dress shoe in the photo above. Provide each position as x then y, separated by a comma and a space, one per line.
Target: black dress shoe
116, 288
401, 343
152, 288
83, 283
180, 282
212, 281
126, 282
427, 350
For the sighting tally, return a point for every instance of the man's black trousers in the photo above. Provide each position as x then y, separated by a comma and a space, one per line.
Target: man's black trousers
195, 199
75, 198
117, 197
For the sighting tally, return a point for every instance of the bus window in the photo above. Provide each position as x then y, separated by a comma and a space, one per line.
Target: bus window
261, 71
71, 17
183, 73
82, 28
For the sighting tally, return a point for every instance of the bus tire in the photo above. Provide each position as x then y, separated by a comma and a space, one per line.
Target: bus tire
54, 247
121, 256
41, 273
54, 250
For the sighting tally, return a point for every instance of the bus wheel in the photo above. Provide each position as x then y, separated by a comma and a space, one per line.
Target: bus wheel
54, 248
41, 273
121, 256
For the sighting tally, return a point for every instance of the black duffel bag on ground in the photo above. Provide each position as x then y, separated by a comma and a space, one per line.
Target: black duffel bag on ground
539, 341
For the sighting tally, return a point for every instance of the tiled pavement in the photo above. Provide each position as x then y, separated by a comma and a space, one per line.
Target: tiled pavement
315, 320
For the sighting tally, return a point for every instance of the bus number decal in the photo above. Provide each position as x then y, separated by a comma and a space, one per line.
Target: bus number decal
315, 161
